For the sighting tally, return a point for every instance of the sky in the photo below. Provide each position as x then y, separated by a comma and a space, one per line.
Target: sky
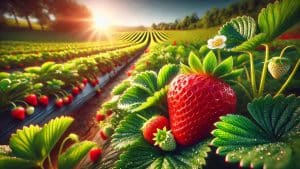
146, 12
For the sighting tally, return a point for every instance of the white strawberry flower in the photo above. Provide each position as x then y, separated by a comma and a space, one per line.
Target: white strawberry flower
218, 42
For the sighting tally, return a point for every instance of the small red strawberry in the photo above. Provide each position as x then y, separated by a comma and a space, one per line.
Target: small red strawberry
7, 67
278, 67
44, 100
85, 81
18, 113
100, 117
197, 100
95, 154
174, 43
151, 126
94, 82
109, 113
31, 99
66, 100
59, 102
75, 90
71, 98
81, 86
106, 132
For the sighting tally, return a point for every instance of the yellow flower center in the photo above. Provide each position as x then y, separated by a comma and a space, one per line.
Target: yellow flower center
217, 42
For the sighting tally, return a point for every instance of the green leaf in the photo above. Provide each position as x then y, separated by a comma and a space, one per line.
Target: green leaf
238, 30
209, 62
224, 67
74, 154
273, 155
133, 97
166, 74
185, 69
251, 43
119, 89
22, 143
157, 98
16, 163
128, 132
145, 155
268, 140
146, 80
276, 18
47, 138
195, 62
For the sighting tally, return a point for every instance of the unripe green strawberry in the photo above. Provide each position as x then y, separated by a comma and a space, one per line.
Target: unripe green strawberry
164, 139
278, 67
29, 110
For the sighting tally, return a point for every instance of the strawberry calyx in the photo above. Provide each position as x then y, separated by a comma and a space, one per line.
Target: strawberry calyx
164, 139
224, 70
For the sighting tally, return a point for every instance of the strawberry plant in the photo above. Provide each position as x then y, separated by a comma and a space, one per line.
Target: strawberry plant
204, 94
31, 146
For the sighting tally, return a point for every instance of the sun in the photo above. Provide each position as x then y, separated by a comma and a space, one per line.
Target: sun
100, 22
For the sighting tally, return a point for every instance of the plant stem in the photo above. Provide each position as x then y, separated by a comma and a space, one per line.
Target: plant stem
143, 118
62, 145
284, 49
49, 161
219, 56
252, 71
247, 73
288, 80
264, 71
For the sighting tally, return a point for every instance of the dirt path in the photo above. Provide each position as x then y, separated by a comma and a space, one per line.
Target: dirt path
85, 124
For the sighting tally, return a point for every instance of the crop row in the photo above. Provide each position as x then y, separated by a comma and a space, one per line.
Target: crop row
31, 59
36, 84
154, 36
20, 47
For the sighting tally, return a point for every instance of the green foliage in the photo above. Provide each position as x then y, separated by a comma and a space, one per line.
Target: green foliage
74, 154
276, 18
147, 89
128, 132
223, 70
145, 155
119, 89
238, 30
32, 145
266, 141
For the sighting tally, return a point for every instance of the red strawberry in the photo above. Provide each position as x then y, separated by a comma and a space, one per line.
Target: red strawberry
151, 126
106, 132
174, 43
18, 113
103, 135
44, 100
95, 154
196, 100
109, 113
85, 81
195, 103
7, 67
100, 117
81, 86
75, 90
70, 96
66, 100
59, 102
94, 82
31, 99
128, 73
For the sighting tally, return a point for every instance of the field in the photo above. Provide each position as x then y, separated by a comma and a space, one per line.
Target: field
221, 97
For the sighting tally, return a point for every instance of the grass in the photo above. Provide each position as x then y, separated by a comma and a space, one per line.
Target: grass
192, 35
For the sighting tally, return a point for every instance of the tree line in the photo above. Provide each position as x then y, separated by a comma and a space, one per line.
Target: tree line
215, 16
69, 15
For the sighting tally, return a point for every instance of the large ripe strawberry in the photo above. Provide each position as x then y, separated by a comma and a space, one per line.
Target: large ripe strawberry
150, 127
196, 100
278, 67
31, 99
